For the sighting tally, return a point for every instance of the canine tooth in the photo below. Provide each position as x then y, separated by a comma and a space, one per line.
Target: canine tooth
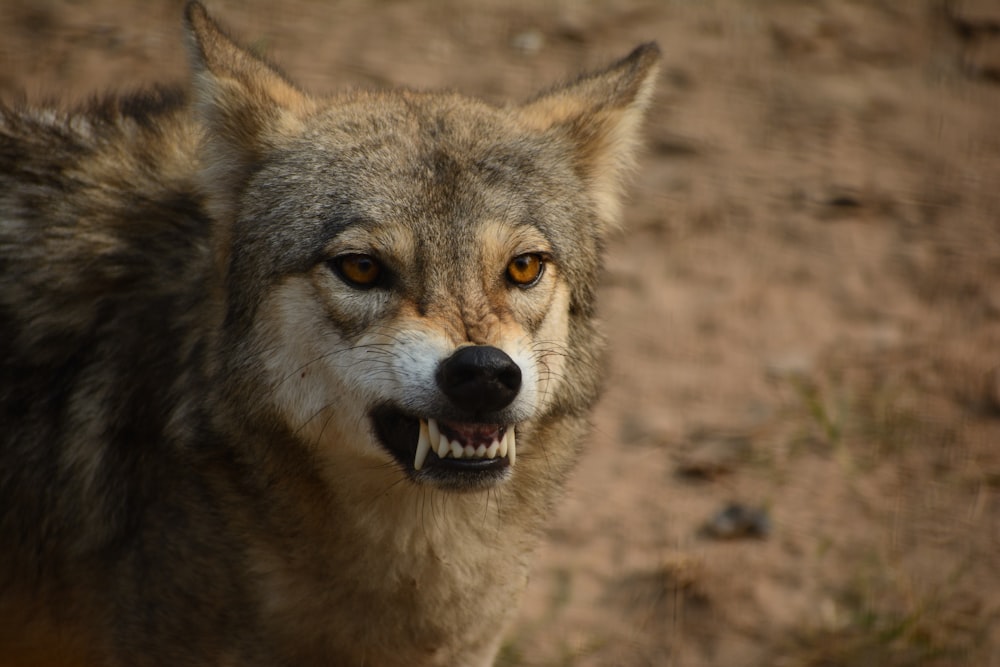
443, 446
511, 445
503, 446
456, 449
423, 446
491, 451
481, 451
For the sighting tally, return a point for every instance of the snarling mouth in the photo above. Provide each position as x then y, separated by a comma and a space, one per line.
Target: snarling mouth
455, 454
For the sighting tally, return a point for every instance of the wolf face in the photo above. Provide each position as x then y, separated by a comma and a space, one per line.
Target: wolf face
412, 272
431, 316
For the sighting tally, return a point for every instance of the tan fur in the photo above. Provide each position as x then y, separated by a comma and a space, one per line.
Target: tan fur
210, 429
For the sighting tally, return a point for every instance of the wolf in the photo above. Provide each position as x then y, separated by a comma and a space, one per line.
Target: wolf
289, 379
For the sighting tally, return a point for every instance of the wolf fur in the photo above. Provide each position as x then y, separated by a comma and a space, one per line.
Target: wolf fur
203, 437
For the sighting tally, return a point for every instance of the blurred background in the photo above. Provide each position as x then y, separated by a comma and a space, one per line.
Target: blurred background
797, 459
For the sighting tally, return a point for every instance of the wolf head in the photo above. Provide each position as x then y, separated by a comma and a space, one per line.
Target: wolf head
409, 278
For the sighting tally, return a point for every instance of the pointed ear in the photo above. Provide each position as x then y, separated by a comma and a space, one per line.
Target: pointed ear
601, 115
245, 104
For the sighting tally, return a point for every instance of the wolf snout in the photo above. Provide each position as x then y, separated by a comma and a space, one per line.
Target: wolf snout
479, 378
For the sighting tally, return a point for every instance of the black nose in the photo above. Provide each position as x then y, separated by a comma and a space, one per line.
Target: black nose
479, 378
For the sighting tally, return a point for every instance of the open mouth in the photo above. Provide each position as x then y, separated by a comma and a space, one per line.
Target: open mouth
456, 453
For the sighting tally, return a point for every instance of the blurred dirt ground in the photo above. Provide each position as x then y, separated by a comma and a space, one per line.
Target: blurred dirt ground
803, 307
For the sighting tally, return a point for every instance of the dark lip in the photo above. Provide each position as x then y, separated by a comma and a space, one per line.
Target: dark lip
397, 431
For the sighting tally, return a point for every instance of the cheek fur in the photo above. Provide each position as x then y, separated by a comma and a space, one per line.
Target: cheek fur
551, 345
541, 349
533, 306
296, 350
327, 371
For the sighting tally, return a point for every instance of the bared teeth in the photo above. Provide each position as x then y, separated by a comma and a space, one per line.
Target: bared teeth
433, 433
423, 446
432, 439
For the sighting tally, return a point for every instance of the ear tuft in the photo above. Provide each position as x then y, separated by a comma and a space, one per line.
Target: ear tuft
601, 115
197, 21
244, 103
215, 54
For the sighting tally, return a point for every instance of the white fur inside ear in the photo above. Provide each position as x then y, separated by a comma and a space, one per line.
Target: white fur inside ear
244, 106
602, 115
614, 161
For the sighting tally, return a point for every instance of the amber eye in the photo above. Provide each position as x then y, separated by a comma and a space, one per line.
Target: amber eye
358, 270
525, 270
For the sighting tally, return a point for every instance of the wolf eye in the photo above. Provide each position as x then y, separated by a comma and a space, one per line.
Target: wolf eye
358, 270
525, 270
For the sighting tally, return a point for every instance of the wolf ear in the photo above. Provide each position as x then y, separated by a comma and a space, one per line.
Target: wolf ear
243, 101
601, 115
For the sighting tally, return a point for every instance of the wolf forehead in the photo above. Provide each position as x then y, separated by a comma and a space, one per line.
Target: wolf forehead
444, 166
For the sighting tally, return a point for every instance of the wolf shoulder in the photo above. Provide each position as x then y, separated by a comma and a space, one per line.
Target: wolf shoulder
98, 212
103, 253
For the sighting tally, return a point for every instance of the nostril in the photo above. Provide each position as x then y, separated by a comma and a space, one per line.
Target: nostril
480, 378
510, 376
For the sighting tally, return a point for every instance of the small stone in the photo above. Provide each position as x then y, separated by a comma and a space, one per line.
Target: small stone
528, 42
738, 521
791, 366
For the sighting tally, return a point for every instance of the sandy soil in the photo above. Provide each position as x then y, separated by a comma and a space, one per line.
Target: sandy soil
804, 308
